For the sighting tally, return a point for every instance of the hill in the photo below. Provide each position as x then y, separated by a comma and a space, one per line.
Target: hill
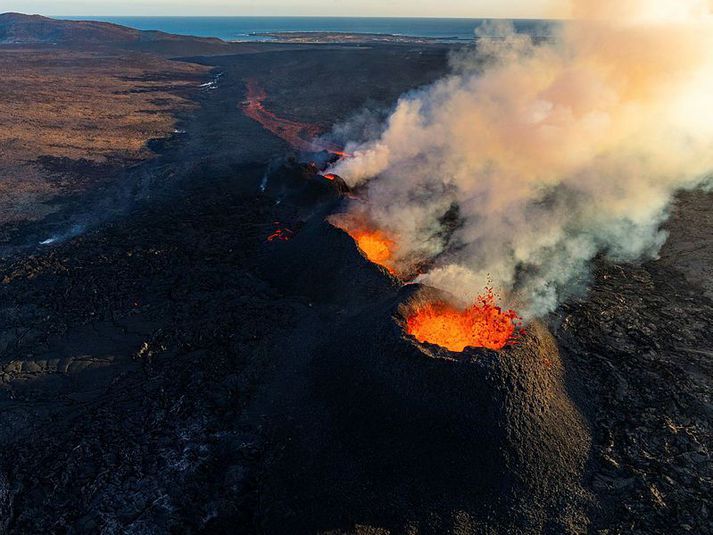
18, 28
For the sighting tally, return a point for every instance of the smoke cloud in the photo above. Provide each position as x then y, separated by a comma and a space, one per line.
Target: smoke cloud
548, 153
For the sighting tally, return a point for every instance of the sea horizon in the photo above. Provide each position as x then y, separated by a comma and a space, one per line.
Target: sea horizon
254, 28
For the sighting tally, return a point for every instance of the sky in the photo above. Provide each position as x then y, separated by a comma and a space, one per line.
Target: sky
366, 8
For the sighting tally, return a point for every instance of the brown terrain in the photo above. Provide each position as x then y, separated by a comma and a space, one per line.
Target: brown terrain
165, 366
88, 111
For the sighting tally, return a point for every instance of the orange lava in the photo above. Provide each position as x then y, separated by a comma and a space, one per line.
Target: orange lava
299, 135
329, 176
280, 234
333, 149
376, 246
484, 324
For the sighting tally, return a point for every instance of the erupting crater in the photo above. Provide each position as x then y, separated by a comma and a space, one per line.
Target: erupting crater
483, 324
433, 320
376, 246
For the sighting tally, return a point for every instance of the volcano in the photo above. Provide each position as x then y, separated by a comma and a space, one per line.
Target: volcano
481, 324
401, 429
378, 404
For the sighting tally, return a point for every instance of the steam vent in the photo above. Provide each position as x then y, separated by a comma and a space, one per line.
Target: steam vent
375, 422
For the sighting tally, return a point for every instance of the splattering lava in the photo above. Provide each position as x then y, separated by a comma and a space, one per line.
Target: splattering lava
483, 324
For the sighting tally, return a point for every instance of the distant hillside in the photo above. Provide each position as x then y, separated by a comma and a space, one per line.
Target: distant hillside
17, 28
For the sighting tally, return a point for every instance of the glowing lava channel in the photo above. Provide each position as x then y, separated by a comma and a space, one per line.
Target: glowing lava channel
280, 233
484, 324
301, 136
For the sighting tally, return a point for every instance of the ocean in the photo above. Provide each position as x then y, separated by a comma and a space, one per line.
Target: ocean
249, 28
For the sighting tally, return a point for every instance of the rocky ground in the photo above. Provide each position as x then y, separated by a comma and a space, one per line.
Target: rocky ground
639, 348
166, 368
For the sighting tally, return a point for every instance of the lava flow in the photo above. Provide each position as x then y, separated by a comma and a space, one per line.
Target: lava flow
483, 324
299, 135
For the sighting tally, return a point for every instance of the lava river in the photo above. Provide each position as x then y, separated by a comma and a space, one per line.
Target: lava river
301, 136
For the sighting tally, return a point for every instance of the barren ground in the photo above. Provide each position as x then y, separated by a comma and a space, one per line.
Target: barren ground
94, 110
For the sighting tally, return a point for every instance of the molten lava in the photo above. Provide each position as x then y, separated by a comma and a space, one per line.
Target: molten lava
280, 234
333, 149
329, 176
376, 246
300, 135
484, 324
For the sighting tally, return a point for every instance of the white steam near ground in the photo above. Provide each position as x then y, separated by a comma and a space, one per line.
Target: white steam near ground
553, 152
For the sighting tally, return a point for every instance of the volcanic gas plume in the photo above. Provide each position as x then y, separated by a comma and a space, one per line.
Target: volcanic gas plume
552, 152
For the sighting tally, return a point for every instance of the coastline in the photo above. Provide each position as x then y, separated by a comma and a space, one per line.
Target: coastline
321, 37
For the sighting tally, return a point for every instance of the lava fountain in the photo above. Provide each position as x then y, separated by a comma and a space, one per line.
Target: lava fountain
483, 324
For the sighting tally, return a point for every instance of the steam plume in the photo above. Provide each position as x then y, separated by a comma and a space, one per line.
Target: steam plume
552, 153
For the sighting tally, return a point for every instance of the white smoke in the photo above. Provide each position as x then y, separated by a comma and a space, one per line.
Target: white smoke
552, 152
